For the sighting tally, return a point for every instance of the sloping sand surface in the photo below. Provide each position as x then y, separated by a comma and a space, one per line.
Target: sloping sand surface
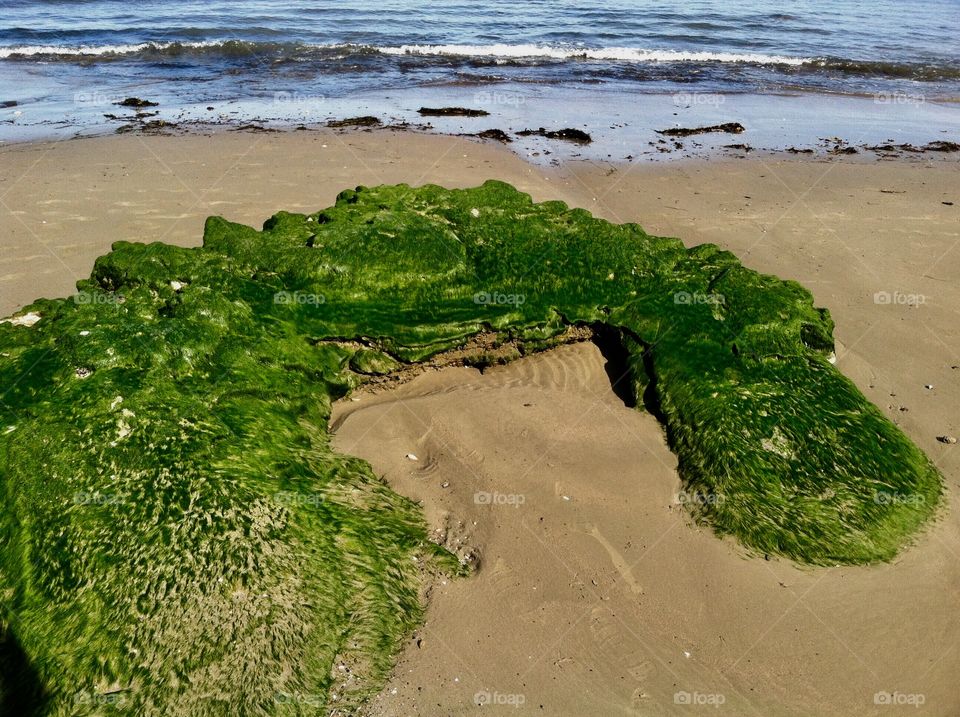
596, 596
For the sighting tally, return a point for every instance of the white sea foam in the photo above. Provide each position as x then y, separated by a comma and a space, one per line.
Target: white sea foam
502, 51
95, 50
624, 54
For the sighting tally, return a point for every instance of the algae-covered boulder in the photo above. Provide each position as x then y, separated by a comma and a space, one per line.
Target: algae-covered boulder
177, 537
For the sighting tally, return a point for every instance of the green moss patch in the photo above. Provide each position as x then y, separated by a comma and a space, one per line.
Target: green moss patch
177, 535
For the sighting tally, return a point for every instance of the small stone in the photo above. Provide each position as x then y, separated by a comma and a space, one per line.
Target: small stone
411, 457
928, 386
947, 439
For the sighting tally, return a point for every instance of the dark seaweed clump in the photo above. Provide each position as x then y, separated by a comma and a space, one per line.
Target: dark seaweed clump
570, 134
451, 112
729, 127
365, 121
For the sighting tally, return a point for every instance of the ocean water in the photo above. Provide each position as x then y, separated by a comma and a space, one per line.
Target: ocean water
66, 61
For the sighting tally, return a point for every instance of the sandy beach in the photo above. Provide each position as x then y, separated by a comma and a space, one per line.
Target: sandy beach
595, 594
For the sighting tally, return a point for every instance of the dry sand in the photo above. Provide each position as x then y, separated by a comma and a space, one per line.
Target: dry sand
610, 602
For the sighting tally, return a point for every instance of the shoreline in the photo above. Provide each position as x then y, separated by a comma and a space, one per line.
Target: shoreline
623, 126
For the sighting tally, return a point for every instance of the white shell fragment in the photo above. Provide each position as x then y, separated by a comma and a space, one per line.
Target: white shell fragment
28, 319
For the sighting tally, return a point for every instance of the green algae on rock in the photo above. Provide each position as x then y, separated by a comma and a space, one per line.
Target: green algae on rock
177, 535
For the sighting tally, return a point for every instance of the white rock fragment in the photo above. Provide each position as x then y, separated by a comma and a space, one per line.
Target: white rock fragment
686, 654
929, 386
28, 319
832, 358
411, 457
565, 497
474, 212
176, 285
84, 333
116, 402
123, 428
83, 372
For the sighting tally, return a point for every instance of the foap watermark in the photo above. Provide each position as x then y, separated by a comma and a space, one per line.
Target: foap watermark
116, 699
512, 499
699, 699
293, 499
505, 699
296, 98
496, 298
96, 98
704, 99
898, 98
900, 699
298, 698
885, 498
899, 298
84, 497
696, 498
687, 298
97, 297
512, 99
299, 297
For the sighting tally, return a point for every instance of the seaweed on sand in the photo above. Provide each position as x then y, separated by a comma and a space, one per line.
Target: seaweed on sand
178, 537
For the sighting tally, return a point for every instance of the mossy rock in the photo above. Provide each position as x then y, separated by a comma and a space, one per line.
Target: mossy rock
177, 535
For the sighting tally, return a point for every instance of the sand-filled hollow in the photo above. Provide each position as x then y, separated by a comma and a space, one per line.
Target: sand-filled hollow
595, 594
